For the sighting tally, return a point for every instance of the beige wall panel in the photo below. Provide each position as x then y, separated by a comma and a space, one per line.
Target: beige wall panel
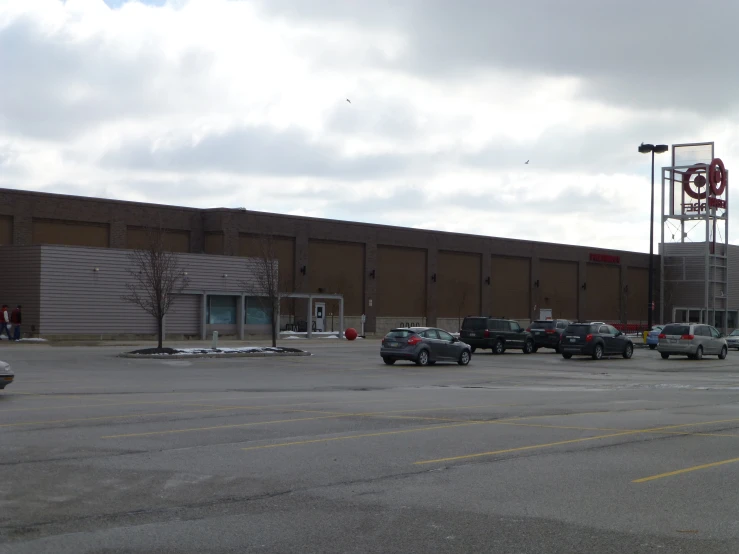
174, 240
72, 233
337, 268
401, 282
558, 288
603, 296
458, 284
510, 283
213, 243
637, 279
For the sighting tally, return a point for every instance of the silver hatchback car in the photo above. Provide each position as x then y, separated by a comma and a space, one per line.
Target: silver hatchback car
693, 340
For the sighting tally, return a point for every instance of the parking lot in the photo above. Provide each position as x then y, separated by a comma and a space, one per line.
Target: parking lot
339, 453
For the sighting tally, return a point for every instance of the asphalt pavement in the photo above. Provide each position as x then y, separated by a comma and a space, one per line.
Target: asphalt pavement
339, 453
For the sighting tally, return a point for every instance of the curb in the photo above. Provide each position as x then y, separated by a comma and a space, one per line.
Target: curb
213, 355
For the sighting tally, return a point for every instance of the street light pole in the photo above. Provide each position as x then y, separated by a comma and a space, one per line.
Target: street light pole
658, 149
651, 255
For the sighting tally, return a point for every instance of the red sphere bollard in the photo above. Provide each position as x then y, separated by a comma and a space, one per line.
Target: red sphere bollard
350, 334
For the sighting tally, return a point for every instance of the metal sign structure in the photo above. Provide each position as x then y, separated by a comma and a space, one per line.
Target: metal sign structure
694, 269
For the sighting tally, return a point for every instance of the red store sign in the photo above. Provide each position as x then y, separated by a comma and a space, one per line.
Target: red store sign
605, 258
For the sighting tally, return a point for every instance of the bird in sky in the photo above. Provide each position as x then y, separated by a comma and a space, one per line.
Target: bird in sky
348, 100
527, 162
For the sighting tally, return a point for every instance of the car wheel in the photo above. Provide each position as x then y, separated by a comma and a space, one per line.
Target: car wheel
652, 346
598, 352
528, 347
566, 356
498, 347
698, 354
473, 349
423, 358
724, 352
629, 351
664, 355
464, 358
388, 361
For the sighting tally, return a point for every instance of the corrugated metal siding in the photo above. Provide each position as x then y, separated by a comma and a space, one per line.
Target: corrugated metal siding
185, 316
733, 262
20, 270
78, 300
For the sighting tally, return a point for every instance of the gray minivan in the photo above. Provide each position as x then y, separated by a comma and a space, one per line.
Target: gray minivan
693, 340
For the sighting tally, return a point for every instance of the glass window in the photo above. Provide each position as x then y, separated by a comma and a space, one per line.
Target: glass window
731, 321
714, 333
604, 330
543, 325
561, 324
515, 327
221, 310
474, 323
674, 330
257, 311
431, 334
443, 335
612, 330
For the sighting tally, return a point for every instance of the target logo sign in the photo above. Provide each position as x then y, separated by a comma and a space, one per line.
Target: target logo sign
717, 180
696, 186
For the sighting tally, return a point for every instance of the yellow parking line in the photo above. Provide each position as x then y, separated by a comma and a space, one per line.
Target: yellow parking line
520, 448
127, 416
330, 415
349, 437
536, 446
171, 431
686, 470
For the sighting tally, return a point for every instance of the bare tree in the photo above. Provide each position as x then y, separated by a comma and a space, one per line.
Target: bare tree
266, 282
156, 278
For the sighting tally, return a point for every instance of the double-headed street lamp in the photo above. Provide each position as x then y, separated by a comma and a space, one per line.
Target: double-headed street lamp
654, 149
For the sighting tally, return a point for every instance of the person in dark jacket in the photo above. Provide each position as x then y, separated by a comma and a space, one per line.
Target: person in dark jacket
5, 322
15, 319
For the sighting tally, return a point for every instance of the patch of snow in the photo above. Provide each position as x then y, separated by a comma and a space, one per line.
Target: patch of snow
330, 337
32, 340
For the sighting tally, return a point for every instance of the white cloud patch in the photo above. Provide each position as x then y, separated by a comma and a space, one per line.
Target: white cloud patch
244, 103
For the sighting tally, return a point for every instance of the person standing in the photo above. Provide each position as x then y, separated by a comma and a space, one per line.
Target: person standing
5, 321
15, 319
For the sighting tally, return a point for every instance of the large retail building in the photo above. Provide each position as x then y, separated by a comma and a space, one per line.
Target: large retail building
64, 259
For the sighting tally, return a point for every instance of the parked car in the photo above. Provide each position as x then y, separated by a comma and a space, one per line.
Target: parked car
424, 346
693, 340
653, 336
732, 339
547, 333
495, 334
595, 340
6, 375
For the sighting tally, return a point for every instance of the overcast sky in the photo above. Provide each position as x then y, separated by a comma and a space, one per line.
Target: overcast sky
212, 103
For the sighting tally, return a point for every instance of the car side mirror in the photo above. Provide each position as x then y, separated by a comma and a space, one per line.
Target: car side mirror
455, 339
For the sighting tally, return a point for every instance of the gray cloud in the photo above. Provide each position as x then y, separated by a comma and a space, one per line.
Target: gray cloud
257, 151
56, 87
645, 54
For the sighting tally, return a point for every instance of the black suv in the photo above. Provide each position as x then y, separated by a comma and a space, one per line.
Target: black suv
596, 340
547, 332
496, 334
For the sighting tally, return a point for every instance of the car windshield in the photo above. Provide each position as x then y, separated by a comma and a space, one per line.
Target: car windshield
474, 323
580, 329
734, 333
399, 334
542, 325
676, 330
